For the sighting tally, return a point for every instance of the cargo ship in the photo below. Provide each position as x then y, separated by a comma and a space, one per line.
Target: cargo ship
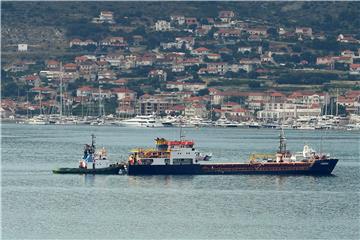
180, 157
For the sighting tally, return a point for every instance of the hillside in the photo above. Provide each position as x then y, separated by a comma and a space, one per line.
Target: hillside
48, 23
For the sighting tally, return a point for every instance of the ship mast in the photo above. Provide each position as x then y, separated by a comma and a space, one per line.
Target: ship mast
93, 140
181, 133
282, 145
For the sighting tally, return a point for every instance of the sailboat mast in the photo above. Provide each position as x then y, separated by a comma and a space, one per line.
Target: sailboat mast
180, 131
27, 104
100, 98
181, 135
40, 102
337, 105
61, 91
326, 104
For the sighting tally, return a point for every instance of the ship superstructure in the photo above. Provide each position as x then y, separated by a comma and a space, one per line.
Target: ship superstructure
177, 152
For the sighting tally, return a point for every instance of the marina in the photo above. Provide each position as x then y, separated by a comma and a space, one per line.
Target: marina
325, 122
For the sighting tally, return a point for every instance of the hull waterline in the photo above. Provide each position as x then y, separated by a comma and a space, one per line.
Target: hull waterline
321, 167
108, 170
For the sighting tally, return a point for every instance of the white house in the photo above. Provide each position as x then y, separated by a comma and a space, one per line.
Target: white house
162, 26
22, 47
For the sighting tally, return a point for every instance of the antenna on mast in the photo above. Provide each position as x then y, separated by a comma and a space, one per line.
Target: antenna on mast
93, 140
282, 145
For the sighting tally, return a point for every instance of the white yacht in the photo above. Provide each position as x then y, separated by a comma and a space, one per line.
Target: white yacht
142, 121
224, 122
38, 120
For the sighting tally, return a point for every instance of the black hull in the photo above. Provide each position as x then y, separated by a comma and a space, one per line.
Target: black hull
320, 167
108, 170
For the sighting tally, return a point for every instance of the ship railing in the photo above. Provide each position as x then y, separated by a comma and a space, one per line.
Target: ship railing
261, 156
142, 150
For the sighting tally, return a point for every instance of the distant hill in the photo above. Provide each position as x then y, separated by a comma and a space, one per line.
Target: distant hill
51, 24
324, 16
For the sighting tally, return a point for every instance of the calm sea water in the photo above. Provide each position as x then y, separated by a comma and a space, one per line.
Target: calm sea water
37, 204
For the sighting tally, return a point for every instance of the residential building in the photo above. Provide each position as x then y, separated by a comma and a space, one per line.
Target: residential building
327, 60
104, 17
196, 110
162, 26
288, 111
122, 93
226, 16
85, 91
191, 21
148, 105
52, 65
354, 68
201, 51
346, 38
304, 31
179, 19
257, 31
22, 47
160, 74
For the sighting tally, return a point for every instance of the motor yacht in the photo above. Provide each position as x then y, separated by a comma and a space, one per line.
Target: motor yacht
142, 121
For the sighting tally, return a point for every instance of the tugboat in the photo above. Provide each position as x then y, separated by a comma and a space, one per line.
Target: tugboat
92, 162
180, 157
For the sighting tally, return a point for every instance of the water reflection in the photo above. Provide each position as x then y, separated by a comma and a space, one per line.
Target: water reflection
89, 180
163, 180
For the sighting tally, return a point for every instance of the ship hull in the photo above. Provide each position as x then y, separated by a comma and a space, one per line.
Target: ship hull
320, 167
108, 170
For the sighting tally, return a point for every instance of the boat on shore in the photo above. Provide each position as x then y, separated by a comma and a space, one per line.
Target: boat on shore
180, 157
93, 162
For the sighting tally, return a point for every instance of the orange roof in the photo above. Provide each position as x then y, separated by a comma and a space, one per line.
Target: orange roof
239, 110
81, 58
52, 62
42, 89
122, 90
121, 81
85, 88
31, 78
230, 104
201, 49
70, 65
355, 65
177, 108
277, 94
